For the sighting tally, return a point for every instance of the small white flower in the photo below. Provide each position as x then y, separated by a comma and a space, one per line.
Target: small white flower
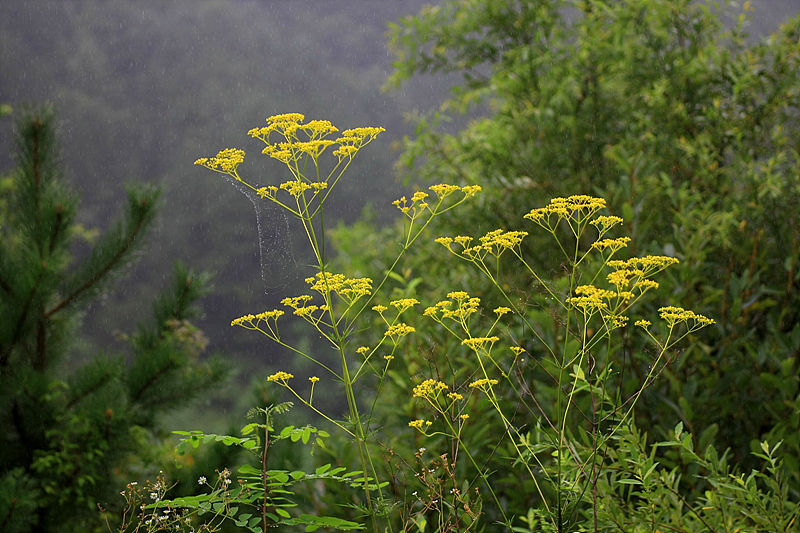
202, 480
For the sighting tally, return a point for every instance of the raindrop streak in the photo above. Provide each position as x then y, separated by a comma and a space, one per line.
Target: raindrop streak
278, 266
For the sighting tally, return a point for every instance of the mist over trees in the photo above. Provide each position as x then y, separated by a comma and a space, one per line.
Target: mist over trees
143, 89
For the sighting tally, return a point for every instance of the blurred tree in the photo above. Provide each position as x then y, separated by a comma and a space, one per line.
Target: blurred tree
68, 433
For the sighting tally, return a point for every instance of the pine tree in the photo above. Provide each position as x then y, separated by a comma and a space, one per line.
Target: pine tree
64, 434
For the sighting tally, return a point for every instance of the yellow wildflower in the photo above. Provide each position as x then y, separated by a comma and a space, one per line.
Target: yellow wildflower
319, 128
458, 295
398, 330
603, 224
296, 301
675, 315
241, 320
282, 377
483, 384
443, 190
646, 284
471, 190
497, 241
286, 118
404, 304
295, 188
613, 244
274, 314
477, 343
429, 389
226, 161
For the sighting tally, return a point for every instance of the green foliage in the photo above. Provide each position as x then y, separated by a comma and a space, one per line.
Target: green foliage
263, 494
71, 423
686, 128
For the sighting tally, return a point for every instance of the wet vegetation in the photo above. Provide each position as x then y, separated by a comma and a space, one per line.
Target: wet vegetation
502, 349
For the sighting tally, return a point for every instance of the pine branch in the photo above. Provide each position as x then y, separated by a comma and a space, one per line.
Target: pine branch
119, 244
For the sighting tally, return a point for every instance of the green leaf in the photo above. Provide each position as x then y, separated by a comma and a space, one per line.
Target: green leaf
249, 428
247, 469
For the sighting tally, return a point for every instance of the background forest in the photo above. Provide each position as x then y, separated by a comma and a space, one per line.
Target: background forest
683, 119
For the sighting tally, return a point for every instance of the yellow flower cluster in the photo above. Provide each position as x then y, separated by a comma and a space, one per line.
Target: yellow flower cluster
466, 307
444, 190
290, 125
578, 207
617, 321
282, 377
418, 205
404, 304
605, 223
419, 423
349, 289
517, 350
416, 208
493, 243
226, 161
397, 331
591, 298
296, 301
613, 244
479, 343
353, 140
267, 192
295, 187
676, 315
648, 265
275, 314
430, 388
471, 190
483, 384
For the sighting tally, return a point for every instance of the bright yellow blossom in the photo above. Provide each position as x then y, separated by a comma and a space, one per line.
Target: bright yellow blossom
281, 377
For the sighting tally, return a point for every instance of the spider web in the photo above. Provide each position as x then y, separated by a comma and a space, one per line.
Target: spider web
278, 267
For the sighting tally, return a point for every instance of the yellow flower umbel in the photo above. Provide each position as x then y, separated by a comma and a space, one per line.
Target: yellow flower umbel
288, 140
